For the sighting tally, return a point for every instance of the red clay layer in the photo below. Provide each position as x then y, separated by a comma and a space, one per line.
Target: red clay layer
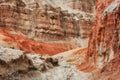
32, 46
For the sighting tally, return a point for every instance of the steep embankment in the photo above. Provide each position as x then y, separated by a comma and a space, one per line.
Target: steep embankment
104, 41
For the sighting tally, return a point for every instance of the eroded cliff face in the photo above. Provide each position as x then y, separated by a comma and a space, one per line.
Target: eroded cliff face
104, 39
49, 20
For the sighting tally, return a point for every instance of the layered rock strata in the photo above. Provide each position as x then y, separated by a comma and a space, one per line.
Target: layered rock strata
104, 40
46, 21
15, 39
105, 36
102, 54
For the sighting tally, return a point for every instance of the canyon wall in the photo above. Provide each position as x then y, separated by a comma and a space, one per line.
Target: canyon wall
49, 20
105, 35
104, 41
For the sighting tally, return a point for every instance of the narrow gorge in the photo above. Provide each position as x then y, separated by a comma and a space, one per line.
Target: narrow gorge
59, 39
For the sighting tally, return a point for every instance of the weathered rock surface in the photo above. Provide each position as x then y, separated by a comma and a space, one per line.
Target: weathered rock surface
102, 55
100, 61
49, 20
12, 61
60, 25
18, 66
15, 39
104, 40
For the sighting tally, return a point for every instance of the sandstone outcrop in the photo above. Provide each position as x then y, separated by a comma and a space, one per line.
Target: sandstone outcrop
105, 36
49, 22
104, 40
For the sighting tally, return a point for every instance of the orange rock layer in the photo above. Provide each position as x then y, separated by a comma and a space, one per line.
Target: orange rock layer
29, 45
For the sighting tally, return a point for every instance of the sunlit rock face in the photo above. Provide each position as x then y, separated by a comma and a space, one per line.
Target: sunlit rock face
104, 39
50, 20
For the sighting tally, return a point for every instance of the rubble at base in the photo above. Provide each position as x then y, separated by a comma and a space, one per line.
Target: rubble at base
15, 62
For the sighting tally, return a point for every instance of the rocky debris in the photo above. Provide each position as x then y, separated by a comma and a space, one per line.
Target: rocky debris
64, 73
56, 73
43, 63
15, 65
13, 61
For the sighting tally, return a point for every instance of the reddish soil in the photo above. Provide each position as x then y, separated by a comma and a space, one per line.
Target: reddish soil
30, 45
